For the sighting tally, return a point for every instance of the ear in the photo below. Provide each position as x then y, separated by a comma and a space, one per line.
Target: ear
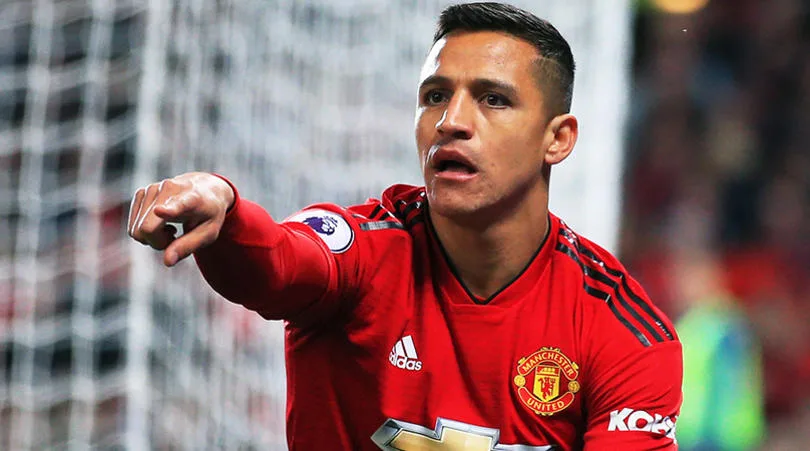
562, 130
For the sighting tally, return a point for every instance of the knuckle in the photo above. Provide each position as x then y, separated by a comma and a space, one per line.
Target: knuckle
169, 200
177, 185
190, 199
193, 196
172, 183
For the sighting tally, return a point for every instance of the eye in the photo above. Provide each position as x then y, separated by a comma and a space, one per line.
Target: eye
495, 100
434, 97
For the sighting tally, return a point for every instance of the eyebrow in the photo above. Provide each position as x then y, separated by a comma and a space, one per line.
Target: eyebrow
480, 83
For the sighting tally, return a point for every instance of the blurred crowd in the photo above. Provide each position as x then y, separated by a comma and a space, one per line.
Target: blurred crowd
716, 211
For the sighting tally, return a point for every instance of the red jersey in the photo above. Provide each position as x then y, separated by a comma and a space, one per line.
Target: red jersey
387, 349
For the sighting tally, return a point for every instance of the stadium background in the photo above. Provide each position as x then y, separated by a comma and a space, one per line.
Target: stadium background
692, 166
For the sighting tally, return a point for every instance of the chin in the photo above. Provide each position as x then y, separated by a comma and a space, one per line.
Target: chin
451, 203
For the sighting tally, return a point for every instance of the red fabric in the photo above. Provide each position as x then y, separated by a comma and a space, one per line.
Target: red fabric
352, 370
760, 273
772, 286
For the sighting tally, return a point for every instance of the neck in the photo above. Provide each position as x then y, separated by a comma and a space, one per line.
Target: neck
489, 255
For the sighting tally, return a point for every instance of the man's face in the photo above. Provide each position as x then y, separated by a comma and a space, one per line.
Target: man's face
480, 123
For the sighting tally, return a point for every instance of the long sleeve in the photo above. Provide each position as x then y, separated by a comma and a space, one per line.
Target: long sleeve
281, 271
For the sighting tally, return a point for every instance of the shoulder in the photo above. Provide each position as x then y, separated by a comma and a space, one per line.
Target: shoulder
407, 203
400, 207
620, 308
397, 212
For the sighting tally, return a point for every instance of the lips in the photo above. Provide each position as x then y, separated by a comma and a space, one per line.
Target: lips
451, 161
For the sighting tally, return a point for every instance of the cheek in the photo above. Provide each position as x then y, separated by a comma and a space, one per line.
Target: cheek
423, 132
524, 156
422, 123
531, 145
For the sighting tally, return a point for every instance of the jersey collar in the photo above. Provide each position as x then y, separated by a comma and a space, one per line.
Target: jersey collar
527, 279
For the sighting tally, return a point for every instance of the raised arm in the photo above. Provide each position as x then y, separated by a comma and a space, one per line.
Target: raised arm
282, 271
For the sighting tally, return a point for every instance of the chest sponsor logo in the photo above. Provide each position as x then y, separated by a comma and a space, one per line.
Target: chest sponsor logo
330, 227
448, 435
546, 381
638, 420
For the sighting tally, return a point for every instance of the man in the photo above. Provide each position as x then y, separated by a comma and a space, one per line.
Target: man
461, 315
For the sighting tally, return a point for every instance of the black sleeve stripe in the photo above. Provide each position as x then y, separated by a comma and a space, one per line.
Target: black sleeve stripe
599, 294
415, 220
603, 278
404, 210
411, 207
400, 206
644, 306
380, 225
635, 297
376, 211
638, 300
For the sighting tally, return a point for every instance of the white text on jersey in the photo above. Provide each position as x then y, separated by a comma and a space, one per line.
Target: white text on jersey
639, 420
403, 355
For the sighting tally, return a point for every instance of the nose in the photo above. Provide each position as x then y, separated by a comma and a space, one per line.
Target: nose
457, 119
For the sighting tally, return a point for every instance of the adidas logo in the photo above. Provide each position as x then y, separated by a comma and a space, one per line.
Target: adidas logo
403, 355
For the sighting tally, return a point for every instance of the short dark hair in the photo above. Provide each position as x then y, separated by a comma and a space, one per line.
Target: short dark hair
556, 63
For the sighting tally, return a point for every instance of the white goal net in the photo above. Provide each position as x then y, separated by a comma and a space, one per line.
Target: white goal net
296, 101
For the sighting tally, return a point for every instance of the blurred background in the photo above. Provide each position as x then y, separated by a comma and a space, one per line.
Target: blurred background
715, 217
692, 166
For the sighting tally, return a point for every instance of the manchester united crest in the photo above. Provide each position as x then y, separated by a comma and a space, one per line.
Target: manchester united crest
546, 381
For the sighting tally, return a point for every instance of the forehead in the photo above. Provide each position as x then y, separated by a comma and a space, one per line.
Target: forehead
480, 54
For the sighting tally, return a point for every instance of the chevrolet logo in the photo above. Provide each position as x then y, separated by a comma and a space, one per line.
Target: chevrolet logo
449, 435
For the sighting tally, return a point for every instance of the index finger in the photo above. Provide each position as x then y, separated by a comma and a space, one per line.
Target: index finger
187, 244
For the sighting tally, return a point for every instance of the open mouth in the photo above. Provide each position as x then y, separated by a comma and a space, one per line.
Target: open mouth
450, 162
453, 166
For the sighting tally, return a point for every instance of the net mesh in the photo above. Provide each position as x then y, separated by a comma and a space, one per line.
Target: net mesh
297, 102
